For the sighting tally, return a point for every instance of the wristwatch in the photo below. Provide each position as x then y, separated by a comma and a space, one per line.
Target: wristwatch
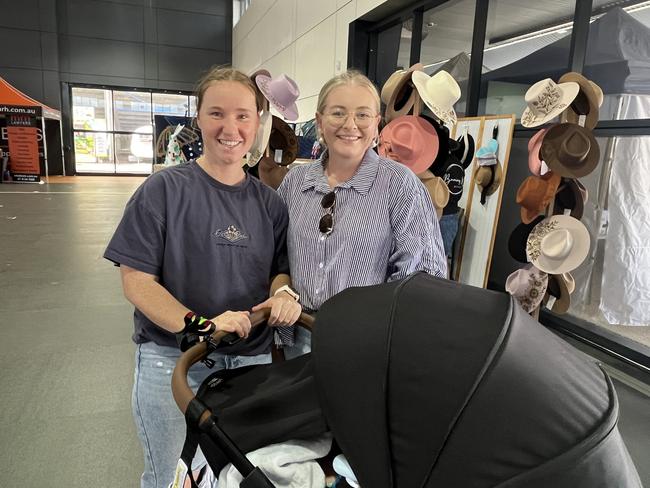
287, 289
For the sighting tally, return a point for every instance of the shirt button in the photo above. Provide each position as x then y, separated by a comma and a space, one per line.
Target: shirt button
322, 238
316, 292
320, 265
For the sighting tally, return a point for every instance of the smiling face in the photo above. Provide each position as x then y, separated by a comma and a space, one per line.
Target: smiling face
228, 120
348, 122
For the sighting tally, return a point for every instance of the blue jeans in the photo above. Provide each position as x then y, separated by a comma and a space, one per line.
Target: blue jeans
159, 422
301, 345
448, 230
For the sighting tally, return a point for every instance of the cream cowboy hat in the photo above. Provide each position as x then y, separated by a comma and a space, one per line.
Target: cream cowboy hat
528, 286
558, 244
438, 92
261, 139
546, 100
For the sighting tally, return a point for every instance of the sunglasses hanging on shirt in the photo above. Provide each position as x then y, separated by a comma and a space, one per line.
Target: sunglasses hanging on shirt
326, 222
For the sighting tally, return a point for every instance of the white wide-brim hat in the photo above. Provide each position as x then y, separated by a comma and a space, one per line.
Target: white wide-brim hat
261, 139
546, 100
440, 93
558, 244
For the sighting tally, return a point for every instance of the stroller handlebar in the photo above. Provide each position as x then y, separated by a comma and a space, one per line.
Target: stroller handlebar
181, 390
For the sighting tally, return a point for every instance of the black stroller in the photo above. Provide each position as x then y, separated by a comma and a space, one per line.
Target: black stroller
424, 383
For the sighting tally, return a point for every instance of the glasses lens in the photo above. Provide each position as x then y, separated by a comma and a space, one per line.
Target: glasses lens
328, 200
326, 224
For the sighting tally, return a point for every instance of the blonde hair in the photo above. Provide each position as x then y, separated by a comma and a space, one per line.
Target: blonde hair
350, 77
225, 73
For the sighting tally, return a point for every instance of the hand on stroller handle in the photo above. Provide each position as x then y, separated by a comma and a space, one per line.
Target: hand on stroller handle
181, 390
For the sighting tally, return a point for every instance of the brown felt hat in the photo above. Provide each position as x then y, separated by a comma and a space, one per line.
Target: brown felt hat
399, 93
570, 150
283, 138
535, 193
588, 101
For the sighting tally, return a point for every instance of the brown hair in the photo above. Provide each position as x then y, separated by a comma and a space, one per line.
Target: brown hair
225, 73
350, 77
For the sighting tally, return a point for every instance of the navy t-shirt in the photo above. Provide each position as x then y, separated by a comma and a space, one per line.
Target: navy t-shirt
214, 247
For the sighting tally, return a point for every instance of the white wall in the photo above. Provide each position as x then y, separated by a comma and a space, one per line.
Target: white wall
305, 39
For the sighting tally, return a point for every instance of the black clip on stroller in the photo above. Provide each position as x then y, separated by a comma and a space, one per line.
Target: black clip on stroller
280, 397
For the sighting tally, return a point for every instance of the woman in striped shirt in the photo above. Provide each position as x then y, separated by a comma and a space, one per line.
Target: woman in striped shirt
355, 218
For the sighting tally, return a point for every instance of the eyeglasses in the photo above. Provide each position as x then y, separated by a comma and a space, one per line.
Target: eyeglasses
326, 222
362, 119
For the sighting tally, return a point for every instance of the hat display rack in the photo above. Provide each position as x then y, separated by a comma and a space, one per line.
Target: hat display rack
276, 144
421, 142
551, 239
482, 195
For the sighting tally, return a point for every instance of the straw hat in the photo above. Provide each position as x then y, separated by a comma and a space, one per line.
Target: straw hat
528, 286
438, 92
398, 93
438, 190
546, 100
283, 137
261, 139
409, 140
535, 193
484, 180
282, 92
558, 244
535, 163
569, 197
519, 237
570, 150
588, 101
560, 287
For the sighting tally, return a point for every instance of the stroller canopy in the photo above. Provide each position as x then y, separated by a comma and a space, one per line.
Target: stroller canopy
430, 383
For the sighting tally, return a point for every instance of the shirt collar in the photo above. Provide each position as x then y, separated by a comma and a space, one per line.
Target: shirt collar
361, 181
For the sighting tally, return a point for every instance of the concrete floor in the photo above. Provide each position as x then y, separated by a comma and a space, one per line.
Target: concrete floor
66, 355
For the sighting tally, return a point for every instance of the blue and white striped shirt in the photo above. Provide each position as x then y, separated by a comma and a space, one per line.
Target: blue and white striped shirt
385, 228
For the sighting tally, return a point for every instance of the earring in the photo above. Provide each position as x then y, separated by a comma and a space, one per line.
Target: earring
321, 141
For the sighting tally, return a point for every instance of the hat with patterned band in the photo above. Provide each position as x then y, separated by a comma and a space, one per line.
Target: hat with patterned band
282, 92
261, 139
570, 150
546, 100
409, 140
398, 93
438, 190
528, 286
440, 93
560, 287
535, 193
588, 102
558, 244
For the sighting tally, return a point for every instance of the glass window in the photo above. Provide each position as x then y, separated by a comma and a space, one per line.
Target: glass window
612, 283
526, 41
618, 58
89, 109
131, 110
134, 152
93, 152
393, 51
447, 42
170, 104
192, 106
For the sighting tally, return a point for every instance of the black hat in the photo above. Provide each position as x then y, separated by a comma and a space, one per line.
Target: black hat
518, 238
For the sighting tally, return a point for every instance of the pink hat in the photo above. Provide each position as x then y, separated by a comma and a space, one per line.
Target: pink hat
534, 146
409, 140
282, 92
